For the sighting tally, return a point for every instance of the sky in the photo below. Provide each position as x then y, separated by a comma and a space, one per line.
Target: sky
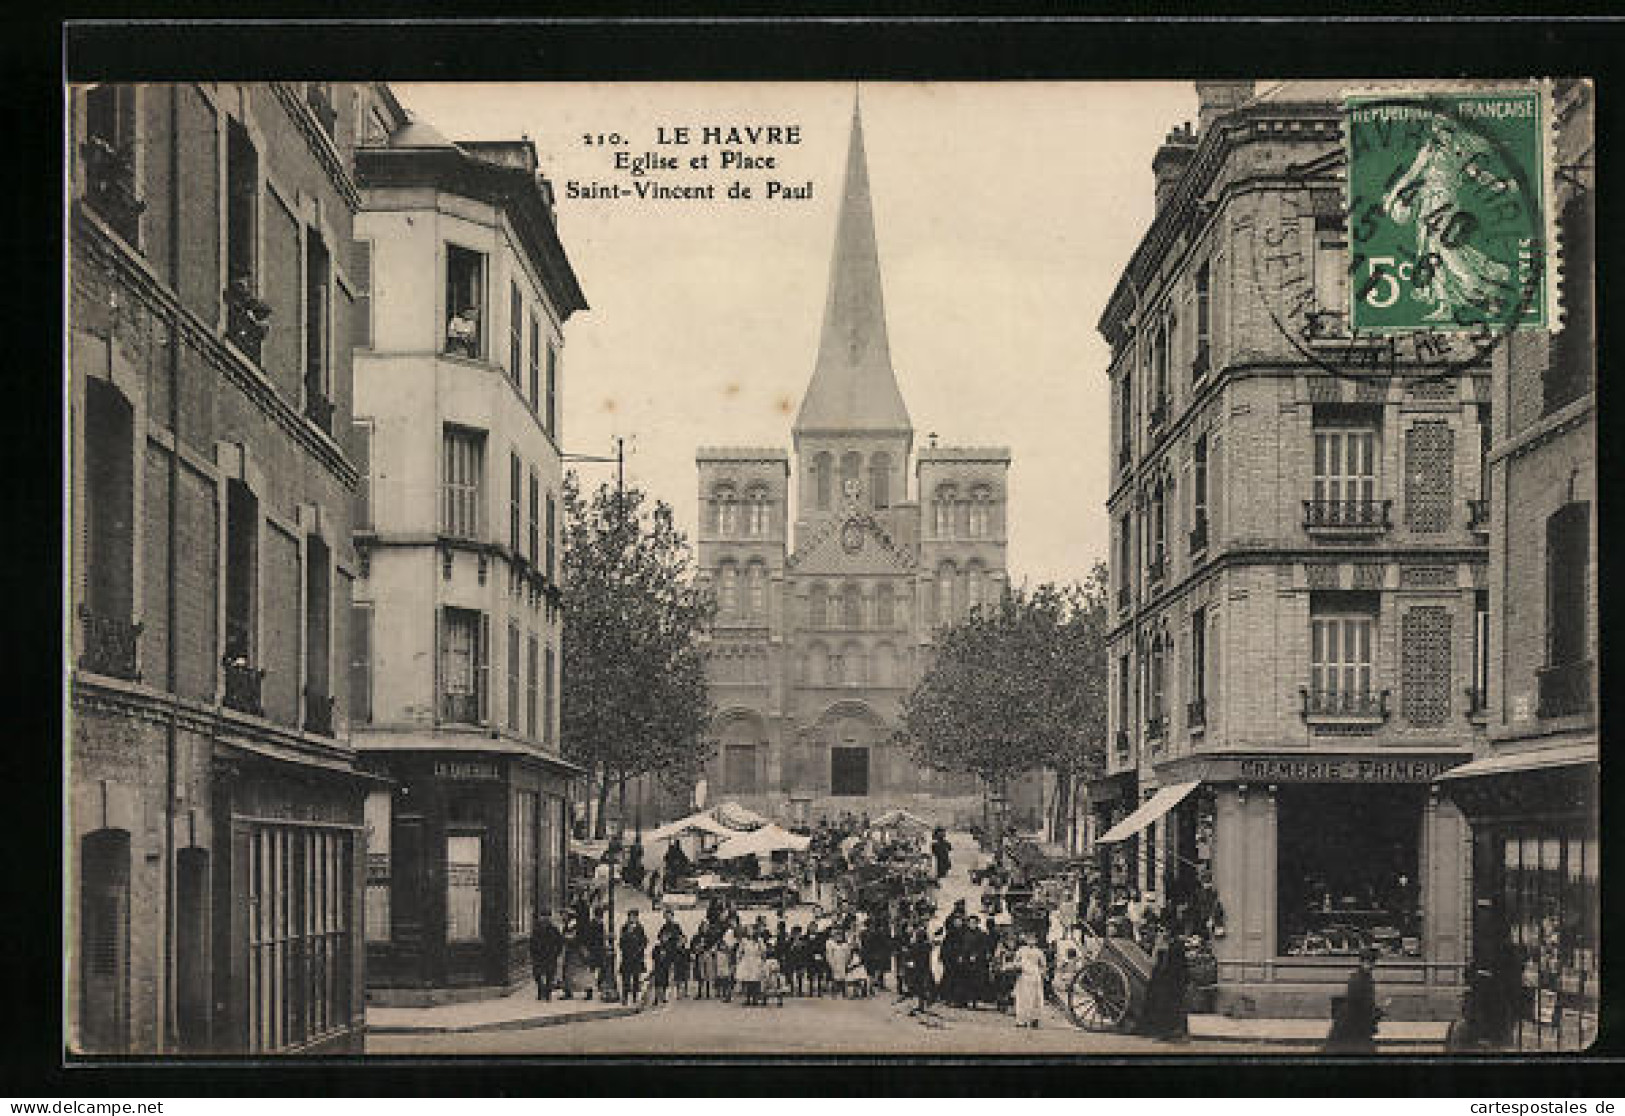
1004, 213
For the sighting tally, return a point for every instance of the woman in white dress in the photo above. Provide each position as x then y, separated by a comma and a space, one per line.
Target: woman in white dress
750, 968
1030, 966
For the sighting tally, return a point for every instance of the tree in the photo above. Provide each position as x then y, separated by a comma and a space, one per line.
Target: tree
1019, 684
635, 699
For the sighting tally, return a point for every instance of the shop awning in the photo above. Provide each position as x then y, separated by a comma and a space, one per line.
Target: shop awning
1564, 755
1152, 809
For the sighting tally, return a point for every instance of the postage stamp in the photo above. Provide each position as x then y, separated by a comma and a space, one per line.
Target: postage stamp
1447, 212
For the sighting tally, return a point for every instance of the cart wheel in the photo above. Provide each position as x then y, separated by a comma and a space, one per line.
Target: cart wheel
1097, 999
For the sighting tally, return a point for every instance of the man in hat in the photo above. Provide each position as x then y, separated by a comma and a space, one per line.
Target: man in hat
546, 946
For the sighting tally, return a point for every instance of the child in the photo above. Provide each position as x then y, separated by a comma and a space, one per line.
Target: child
662, 970
772, 981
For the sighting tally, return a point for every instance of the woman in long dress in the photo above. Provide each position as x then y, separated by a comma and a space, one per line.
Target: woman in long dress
1030, 966
750, 970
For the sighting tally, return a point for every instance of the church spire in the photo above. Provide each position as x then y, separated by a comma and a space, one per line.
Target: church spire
853, 387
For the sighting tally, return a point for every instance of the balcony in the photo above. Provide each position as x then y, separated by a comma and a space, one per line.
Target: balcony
1159, 413
1477, 701
460, 709
1200, 362
1565, 689
1196, 714
1124, 598
110, 186
319, 410
1198, 535
1345, 706
243, 685
110, 645
1478, 517
1348, 517
1157, 568
319, 713
248, 318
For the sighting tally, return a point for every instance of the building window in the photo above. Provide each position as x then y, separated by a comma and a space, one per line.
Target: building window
318, 636
1331, 284
532, 669
1125, 699
1348, 869
1125, 561
378, 811
463, 472
728, 603
463, 891
1565, 681
821, 479
513, 676
1201, 360
104, 942
1341, 673
465, 300
880, 480
756, 586
818, 606
1571, 366
1478, 694
851, 469
851, 607
522, 833
981, 499
246, 317
885, 606
947, 497
535, 373
1199, 496
361, 451
727, 511
1549, 896
849, 771
947, 575
1196, 711
111, 184
516, 485
318, 331
549, 697
464, 655
1125, 403
854, 665
552, 391
242, 573
1156, 709
756, 512
532, 527
300, 961
516, 334
552, 538
1157, 537
361, 617
975, 586
1345, 480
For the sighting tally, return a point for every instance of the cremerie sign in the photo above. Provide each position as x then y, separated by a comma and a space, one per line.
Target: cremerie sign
465, 769
1337, 770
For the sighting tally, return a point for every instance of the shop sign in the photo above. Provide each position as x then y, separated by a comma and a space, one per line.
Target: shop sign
465, 769
1340, 770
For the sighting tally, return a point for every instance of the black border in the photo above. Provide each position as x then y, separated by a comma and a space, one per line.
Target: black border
690, 42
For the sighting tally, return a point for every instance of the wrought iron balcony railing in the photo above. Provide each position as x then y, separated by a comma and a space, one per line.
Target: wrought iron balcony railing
1196, 712
319, 713
1565, 689
110, 186
243, 686
460, 709
1369, 705
1348, 516
248, 318
111, 645
1478, 516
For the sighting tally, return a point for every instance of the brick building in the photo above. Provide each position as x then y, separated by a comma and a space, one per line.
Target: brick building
1299, 572
1532, 793
214, 879
456, 671
826, 615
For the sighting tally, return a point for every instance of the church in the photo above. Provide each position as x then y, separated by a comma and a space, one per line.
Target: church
833, 568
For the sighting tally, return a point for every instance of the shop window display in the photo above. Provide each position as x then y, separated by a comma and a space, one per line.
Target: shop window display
1348, 870
1549, 894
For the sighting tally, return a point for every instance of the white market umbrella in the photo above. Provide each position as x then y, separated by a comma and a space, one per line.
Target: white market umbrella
900, 819
763, 842
737, 817
703, 823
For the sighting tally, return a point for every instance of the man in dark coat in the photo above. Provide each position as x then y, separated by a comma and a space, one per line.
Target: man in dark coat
546, 946
942, 851
633, 945
977, 951
953, 958
1165, 1016
1355, 1015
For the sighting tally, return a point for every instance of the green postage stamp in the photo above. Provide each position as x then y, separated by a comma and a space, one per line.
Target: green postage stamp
1447, 199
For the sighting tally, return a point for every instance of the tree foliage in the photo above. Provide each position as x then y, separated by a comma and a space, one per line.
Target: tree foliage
634, 695
1019, 684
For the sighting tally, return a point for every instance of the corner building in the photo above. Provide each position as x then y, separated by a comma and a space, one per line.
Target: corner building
1299, 575
826, 615
457, 670
215, 809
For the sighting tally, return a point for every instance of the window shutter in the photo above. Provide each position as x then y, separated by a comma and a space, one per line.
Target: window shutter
361, 281
361, 664
482, 670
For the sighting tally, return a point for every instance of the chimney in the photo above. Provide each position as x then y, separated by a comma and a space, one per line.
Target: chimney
1215, 98
1171, 159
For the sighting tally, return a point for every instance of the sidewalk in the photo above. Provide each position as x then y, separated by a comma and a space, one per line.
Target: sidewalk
1391, 1034
510, 1013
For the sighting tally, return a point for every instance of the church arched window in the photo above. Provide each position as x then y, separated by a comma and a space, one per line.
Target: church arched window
885, 666
818, 606
854, 665
727, 511
756, 511
834, 672
851, 468
817, 665
981, 503
851, 607
947, 576
975, 586
946, 497
728, 598
821, 479
885, 606
880, 480
756, 588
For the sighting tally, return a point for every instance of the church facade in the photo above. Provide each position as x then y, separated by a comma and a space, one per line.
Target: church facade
833, 565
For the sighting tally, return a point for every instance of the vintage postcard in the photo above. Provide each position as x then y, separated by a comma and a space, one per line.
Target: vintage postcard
831, 568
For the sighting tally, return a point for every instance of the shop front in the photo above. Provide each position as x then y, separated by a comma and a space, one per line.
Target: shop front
1293, 864
1536, 903
463, 854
